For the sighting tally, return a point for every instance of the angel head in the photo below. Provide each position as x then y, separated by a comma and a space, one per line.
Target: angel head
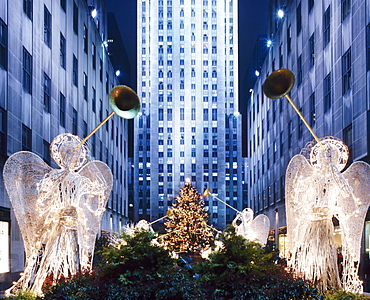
335, 153
63, 151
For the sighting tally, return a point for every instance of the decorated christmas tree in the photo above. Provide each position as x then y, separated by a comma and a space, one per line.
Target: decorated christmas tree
187, 229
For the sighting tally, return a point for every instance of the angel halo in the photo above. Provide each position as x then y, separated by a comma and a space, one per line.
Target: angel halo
317, 192
58, 210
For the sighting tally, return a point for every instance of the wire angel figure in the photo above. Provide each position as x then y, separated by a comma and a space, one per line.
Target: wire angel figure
255, 230
316, 192
58, 210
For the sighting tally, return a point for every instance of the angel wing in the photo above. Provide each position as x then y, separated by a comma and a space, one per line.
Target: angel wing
97, 181
354, 206
298, 181
23, 171
259, 229
252, 229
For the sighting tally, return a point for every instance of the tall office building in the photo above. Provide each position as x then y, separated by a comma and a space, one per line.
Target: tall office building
190, 127
326, 45
55, 76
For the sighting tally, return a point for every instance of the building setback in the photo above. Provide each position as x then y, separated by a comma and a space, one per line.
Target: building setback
55, 76
190, 127
326, 45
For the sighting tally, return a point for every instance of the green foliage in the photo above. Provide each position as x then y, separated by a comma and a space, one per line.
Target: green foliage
135, 269
23, 295
342, 295
244, 270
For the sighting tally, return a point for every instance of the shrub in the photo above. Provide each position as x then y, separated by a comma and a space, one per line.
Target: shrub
23, 295
342, 295
244, 270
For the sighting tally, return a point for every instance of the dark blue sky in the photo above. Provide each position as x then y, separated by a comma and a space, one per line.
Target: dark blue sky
253, 19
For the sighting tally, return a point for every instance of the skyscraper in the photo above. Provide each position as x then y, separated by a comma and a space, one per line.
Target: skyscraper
190, 127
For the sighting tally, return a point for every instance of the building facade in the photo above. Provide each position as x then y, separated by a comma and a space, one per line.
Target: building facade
190, 127
55, 77
326, 45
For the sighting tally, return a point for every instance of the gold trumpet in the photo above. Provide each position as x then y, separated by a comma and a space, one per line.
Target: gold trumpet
278, 85
124, 102
207, 192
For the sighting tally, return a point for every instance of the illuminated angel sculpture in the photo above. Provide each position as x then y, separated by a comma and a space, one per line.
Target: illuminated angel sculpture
317, 192
58, 210
255, 230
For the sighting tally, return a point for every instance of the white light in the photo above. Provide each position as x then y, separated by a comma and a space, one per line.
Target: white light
94, 13
251, 90
257, 73
118, 72
188, 180
105, 44
269, 43
280, 13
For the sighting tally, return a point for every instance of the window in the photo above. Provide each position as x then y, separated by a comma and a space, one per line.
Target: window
93, 56
214, 114
62, 110
101, 75
299, 75
346, 8
26, 138
63, 48
299, 18
290, 134
47, 27
346, 71
326, 27
27, 71
193, 113
205, 114
93, 100
86, 39
3, 45
85, 83
368, 47
75, 18
47, 93
312, 50
46, 152
160, 114
75, 71
74, 121
27, 8
289, 38
348, 139
181, 113
63, 4
310, 4
312, 109
327, 92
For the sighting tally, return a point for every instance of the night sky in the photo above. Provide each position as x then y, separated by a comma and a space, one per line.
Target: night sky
253, 19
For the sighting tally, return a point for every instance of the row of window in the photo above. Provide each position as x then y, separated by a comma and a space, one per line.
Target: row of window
169, 2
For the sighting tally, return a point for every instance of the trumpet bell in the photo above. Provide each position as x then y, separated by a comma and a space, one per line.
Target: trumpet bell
278, 84
124, 102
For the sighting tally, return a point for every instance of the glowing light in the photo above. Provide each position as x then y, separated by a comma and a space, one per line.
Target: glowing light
105, 44
94, 13
255, 230
310, 209
280, 13
58, 229
269, 43
118, 72
257, 73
